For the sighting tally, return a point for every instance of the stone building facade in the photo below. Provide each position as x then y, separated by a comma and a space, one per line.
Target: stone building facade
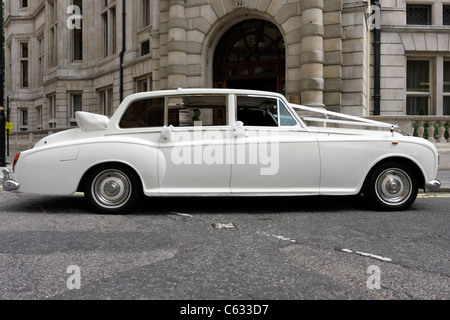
63, 56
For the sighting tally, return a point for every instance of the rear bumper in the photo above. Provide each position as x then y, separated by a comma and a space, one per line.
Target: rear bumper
9, 182
432, 185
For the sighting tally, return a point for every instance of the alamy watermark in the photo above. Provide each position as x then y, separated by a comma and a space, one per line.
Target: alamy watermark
74, 280
374, 19
74, 21
215, 147
374, 280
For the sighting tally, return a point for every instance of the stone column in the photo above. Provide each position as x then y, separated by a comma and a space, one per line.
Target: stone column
312, 82
177, 64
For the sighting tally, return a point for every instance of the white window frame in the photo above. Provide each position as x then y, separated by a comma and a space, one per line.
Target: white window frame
106, 97
39, 118
52, 110
41, 44
73, 38
24, 63
420, 94
53, 30
140, 82
108, 16
72, 111
444, 94
146, 13
22, 125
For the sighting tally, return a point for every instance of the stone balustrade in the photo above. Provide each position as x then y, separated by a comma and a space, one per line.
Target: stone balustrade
433, 128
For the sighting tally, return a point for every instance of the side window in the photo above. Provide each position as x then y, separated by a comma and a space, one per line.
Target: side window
257, 111
144, 113
197, 110
286, 118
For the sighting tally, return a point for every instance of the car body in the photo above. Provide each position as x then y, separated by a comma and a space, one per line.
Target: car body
224, 142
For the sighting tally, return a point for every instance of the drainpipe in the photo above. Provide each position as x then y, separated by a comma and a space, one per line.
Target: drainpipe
377, 61
2, 109
122, 52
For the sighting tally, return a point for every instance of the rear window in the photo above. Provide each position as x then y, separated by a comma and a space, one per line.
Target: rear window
144, 113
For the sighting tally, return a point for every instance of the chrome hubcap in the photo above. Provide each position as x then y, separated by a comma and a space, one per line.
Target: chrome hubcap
393, 186
111, 188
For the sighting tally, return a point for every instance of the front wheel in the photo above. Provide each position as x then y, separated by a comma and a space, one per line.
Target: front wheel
112, 189
392, 186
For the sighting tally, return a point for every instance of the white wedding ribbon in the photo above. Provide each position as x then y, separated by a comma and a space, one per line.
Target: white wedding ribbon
239, 129
167, 132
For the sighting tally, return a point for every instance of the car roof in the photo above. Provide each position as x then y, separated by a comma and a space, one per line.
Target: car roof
179, 91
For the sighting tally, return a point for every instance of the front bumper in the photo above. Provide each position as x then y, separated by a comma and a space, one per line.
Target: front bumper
9, 182
432, 185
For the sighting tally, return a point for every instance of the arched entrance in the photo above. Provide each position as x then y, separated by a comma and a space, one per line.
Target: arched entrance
251, 55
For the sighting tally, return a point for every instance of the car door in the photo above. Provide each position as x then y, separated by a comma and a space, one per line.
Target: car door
193, 147
273, 152
141, 123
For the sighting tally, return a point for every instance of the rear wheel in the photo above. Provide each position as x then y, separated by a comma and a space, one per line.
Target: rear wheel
113, 189
392, 186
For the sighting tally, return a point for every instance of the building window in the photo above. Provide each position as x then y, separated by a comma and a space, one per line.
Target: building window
446, 110
77, 35
146, 10
52, 110
106, 102
23, 114
76, 104
418, 87
41, 59
39, 118
446, 15
24, 64
8, 73
109, 22
53, 41
105, 33
113, 30
145, 47
143, 84
418, 14
24, 3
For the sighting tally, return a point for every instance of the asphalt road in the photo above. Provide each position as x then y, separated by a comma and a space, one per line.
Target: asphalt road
259, 249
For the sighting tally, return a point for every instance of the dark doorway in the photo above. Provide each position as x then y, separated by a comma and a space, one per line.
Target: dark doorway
267, 84
251, 55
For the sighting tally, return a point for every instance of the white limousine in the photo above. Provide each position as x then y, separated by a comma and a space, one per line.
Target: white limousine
224, 142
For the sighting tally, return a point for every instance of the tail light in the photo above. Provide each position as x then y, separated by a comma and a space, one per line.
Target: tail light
16, 158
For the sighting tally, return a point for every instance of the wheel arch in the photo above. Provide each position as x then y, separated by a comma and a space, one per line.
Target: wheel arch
418, 172
107, 164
